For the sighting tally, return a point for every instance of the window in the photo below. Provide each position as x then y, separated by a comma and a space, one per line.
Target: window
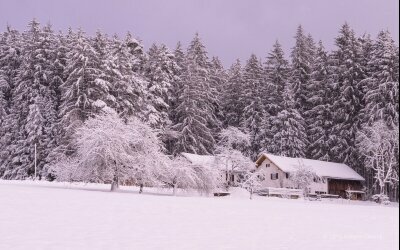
267, 165
274, 176
287, 175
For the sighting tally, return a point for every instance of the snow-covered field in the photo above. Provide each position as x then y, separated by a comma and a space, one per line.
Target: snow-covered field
40, 215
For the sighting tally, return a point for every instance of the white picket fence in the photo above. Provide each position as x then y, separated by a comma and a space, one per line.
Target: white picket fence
281, 192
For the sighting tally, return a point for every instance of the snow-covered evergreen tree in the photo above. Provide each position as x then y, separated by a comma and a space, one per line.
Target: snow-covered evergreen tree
302, 60
347, 95
276, 77
177, 87
195, 111
177, 84
232, 96
33, 103
160, 70
382, 95
218, 79
276, 69
252, 99
319, 117
129, 88
289, 129
10, 58
83, 87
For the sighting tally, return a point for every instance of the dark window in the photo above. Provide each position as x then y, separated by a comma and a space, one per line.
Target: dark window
287, 175
267, 165
274, 176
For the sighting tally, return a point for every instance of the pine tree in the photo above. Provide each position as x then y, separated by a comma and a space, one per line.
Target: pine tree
289, 129
347, 95
302, 60
82, 87
232, 94
33, 103
367, 47
276, 69
319, 117
276, 77
252, 99
128, 86
177, 84
383, 85
160, 72
218, 78
10, 59
195, 112
176, 91
136, 50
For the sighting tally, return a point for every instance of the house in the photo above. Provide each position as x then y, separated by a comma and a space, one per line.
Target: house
217, 162
333, 178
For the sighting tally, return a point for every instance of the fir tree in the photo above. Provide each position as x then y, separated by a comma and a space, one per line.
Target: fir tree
252, 99
82, 87
276, 76
383, 85
346, 76
128, 86
33, 104
232, 94
276, 69
302, 60
160, 73
319, 122
195, 112
10, 59
288, 129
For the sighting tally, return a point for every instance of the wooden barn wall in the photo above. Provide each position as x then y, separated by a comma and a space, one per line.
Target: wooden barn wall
339, 187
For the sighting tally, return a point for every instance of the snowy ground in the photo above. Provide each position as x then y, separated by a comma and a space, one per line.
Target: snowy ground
64, 216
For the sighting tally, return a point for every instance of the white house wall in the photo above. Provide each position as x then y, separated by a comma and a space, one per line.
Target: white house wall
281, 182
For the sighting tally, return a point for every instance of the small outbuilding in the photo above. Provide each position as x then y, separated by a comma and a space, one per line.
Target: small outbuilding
216, 162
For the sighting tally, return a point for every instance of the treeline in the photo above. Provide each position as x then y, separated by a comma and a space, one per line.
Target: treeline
312, 105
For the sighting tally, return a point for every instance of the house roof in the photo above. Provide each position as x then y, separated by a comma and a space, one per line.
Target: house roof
321, 168
207, 160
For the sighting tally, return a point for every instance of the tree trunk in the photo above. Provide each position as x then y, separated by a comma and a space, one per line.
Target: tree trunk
141, 189
174, 190
251, 193
382, 187
115, 184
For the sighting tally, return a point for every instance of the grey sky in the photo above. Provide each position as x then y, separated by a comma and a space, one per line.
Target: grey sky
229, 28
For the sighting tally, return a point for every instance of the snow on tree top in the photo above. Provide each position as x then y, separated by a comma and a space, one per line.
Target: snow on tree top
321, 168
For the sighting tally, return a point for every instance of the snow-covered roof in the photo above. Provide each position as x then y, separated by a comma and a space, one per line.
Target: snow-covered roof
321, 168
207, 160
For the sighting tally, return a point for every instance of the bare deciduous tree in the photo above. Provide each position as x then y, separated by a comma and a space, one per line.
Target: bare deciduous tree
380, 146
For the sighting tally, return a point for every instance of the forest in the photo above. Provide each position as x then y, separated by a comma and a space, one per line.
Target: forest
339, 105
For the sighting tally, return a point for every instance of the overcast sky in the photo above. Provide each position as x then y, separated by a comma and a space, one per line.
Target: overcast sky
229, 28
